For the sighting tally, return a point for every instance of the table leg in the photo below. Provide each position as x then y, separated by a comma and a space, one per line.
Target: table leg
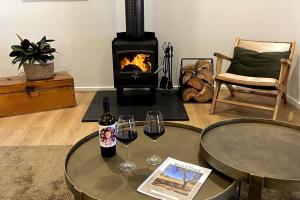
239, 189
256, 185
77, 196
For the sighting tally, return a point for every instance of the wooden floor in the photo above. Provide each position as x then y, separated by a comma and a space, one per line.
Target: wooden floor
64, 127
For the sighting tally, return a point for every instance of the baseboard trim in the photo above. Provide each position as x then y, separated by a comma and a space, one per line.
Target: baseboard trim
293, 101
98, 88
92, 89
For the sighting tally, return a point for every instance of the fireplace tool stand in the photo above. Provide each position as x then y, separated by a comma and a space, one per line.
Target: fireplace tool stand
166, 82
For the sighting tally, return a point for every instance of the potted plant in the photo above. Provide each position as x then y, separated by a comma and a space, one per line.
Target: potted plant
36, 58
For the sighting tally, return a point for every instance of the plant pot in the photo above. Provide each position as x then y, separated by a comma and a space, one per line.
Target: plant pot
35, 72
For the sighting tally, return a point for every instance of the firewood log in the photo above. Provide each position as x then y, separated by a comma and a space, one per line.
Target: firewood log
206, 64
189, 93
206, 75
186, 76
189, 68
205, 94
196, 83
201, 76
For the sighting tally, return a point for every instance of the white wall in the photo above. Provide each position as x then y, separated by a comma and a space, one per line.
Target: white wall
84, 29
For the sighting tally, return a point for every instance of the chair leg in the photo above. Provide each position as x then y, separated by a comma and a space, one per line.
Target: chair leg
216, 94
231, 90
284, 98
278, 101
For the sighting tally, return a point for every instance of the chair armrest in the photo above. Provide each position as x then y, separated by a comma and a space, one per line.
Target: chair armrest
286, 62
284, 71
222, 56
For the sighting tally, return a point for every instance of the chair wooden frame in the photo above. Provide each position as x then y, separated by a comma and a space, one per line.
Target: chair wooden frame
280, 85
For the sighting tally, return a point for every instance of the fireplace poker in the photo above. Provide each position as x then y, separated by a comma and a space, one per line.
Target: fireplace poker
170, 66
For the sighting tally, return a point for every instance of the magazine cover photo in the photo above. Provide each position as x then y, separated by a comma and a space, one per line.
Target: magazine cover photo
175, 180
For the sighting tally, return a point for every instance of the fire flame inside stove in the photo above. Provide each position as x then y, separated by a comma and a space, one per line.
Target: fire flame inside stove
139, 62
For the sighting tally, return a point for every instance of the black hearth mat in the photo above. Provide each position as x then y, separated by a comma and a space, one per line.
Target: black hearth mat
170, 106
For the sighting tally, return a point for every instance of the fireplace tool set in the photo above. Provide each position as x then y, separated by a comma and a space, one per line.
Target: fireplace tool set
166, 82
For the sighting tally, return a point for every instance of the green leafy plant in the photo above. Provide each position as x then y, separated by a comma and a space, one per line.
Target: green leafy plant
30, 52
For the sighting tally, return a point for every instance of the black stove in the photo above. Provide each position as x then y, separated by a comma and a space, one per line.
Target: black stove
135, 54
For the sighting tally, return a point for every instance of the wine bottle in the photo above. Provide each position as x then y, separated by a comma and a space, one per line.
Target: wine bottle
107, 131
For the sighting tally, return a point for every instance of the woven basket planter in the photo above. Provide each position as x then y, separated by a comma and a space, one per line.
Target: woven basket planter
35, 72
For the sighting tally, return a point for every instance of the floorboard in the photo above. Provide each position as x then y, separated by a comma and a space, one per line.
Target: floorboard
64, 127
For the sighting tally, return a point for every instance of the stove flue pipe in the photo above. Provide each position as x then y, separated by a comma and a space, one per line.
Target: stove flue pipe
134, 19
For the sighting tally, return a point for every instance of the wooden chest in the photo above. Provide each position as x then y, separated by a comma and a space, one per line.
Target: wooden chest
19, 96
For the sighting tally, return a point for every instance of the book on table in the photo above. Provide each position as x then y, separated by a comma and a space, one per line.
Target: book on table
174, 180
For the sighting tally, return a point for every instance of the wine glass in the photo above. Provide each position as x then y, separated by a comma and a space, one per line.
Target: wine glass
154, 128
126, 133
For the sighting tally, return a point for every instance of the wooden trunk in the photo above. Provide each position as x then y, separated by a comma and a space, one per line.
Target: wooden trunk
19, 96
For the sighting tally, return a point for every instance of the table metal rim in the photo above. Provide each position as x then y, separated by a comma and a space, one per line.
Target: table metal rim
240, 174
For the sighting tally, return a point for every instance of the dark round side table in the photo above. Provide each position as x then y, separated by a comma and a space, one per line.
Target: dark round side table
261, 152
91, 177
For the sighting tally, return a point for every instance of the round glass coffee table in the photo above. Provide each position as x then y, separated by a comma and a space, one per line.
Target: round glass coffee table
89, 176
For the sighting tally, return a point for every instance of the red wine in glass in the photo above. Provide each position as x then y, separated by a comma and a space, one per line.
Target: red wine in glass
154, 128
126, 133
153, 132
126, 136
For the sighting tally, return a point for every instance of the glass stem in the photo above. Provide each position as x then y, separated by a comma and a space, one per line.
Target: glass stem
154, 150
127, 153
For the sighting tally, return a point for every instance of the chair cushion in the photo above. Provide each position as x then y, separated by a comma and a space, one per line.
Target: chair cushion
247, 62
256, 82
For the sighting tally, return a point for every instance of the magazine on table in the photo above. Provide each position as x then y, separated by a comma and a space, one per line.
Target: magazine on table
174, 180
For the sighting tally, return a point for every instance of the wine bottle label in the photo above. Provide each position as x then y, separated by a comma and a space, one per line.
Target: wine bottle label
107, 135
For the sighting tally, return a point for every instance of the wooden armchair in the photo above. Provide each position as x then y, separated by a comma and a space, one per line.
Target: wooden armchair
279, 85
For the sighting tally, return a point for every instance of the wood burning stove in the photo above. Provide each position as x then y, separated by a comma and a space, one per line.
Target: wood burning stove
135, 54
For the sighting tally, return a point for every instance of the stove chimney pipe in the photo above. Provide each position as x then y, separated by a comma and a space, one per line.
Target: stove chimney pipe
134, 19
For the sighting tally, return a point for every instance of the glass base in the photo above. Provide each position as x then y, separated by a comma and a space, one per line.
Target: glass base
153, 160
127, 166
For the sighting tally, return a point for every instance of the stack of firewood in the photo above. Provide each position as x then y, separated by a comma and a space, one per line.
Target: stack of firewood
197, 81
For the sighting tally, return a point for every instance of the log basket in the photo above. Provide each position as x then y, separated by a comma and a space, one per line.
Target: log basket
196, 86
